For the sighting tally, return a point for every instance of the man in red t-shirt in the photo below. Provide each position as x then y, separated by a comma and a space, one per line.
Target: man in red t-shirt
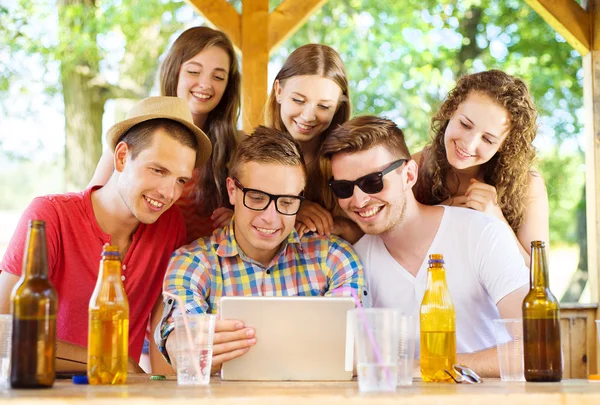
155, 151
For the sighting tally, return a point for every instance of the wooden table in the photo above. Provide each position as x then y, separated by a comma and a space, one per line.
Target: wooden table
140, 390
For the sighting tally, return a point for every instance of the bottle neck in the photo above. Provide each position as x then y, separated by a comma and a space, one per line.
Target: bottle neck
36, 258
539, 268
436, 274
109, 267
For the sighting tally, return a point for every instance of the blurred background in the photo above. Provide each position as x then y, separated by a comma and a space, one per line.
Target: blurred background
90, 60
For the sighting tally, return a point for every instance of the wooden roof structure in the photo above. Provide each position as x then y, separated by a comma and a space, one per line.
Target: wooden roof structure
256, 32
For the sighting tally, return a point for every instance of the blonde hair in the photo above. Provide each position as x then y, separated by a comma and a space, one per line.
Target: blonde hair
221, 123
509, 168
268, 145
324, 61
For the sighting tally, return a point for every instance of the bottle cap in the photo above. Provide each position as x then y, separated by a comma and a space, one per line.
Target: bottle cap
80, 379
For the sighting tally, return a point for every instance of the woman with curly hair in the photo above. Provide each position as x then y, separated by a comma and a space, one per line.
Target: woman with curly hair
481, 155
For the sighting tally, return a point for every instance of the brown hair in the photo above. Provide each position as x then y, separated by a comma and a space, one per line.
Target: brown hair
322, 60
140, 136
221, 123
509, 168
363, 133
268, 145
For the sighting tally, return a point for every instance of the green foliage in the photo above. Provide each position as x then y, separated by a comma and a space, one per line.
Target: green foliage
564, 173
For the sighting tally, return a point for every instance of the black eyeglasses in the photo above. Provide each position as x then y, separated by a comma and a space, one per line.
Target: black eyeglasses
257, 200
370, 184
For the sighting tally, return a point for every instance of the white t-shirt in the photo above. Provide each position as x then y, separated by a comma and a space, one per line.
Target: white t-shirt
483, 265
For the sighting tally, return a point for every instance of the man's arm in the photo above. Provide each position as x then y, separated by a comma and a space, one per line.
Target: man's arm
157, 361
188, 277
344, 269
485, 362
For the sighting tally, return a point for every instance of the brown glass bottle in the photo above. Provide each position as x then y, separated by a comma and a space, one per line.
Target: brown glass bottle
34, 304
541, 324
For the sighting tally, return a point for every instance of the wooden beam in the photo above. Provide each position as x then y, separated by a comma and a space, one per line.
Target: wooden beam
223, 16
288, 17
569, 19
255, 61
591, 104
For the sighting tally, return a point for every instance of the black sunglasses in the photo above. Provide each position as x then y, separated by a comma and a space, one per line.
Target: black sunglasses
258, 200
370, 184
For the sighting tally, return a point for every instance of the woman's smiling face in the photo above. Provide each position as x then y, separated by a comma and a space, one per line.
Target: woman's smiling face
308, 105
475, 131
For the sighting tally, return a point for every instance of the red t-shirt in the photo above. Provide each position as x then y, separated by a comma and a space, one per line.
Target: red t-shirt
74, 243
197, 225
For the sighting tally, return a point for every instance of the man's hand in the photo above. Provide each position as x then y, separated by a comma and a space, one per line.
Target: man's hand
231, 340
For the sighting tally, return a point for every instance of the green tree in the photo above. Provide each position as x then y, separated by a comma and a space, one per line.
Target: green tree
85, 53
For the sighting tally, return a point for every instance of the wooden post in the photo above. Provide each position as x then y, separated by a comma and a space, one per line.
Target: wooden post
256, 34
591, 103
255, 61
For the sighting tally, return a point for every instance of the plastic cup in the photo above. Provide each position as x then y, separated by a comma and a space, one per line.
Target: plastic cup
376, 339
194, 337
407, 332
509, 343
5, 345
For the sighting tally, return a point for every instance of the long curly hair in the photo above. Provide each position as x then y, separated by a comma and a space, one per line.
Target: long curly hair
509, 168
220, 126
322, 60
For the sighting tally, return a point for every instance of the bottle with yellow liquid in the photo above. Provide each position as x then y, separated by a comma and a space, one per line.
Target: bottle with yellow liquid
438, 325
108, 334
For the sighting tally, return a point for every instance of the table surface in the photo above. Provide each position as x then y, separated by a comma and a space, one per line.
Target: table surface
140, 390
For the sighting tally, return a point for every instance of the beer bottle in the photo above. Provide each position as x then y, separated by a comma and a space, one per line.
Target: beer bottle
541, 323
108, 333
438, 325
34, 305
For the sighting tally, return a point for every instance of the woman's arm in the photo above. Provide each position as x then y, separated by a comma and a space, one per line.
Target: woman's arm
536, 223
103, 170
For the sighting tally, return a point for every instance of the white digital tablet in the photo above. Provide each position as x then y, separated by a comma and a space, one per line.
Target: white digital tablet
297, 338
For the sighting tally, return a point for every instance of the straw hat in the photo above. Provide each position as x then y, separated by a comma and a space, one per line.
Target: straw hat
172, 108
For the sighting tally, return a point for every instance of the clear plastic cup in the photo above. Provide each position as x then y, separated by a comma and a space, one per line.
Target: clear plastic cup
5, 345
407, 333
376, 339
509, 343
194, 337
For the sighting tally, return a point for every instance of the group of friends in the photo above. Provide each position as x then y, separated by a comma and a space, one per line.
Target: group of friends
313, 203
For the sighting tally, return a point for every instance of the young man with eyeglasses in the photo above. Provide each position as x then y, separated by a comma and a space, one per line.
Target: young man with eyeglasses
373, 176
259, 252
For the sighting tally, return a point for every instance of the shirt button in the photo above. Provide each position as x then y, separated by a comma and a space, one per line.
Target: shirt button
124, 267
268, 271
122, 278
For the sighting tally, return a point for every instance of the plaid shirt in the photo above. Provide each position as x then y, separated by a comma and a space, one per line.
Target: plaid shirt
209, 268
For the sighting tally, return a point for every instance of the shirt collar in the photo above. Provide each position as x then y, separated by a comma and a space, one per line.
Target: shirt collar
228, 246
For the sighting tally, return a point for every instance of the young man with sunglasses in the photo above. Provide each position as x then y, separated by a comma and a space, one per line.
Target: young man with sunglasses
259, 252
373, 176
